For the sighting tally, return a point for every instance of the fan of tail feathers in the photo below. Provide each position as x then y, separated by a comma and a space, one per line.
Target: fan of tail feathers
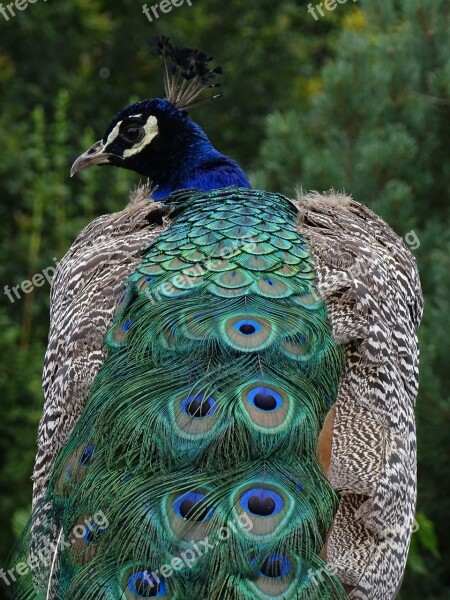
192, 470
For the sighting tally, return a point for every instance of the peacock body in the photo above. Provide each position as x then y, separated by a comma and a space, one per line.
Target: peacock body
203, 421
230, 383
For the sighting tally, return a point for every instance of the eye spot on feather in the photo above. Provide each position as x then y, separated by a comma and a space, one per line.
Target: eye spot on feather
275, 566
195, 416
247, 327
92, 532
265, 399
198, 406
297, 347
117, 336
189, 511
126, 326
86, 534
122, 297
87, 456
193, 506
75, 469
188, 516
142, 584
266, 505
262, 502
277, 576
89, 536
267, 406
248, 333
272, 287
122, 302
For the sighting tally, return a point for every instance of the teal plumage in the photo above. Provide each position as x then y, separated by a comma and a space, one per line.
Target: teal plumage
220, 371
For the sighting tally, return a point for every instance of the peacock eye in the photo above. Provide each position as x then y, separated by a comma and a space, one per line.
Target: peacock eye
133, 133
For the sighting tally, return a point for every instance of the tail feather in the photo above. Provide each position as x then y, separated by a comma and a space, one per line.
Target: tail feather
198, 442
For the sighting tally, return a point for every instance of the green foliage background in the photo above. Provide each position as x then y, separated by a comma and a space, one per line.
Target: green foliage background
357, 100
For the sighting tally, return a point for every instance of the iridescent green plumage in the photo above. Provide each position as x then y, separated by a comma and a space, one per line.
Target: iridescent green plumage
203, 421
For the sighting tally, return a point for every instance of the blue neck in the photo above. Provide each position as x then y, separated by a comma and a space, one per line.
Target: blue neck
217, 172
199, 166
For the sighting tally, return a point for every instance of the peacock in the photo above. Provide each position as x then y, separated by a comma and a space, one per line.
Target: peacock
229, 383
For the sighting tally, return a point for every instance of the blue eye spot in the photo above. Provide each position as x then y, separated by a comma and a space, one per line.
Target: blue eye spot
275, 566
265, 398
122, 297
126, 326
150, 278
92, 532
87, 456
193, 507
144, 585
269, 282
247, 326
262, 502
301, 339
198, 406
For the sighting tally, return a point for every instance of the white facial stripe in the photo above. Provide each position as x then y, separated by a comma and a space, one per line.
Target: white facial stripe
151, 131
114, 133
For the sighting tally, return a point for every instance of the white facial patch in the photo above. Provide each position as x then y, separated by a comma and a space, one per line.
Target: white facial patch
114, 133
151, 131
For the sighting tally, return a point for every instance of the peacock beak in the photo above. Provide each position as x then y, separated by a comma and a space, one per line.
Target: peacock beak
94, 156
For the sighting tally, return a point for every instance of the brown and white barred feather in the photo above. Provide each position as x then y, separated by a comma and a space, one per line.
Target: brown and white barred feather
369, 281
85, 290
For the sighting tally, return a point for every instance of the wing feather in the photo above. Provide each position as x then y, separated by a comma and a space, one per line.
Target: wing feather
369, 281
84, 293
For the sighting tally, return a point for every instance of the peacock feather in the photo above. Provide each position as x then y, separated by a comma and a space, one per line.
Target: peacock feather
203, 422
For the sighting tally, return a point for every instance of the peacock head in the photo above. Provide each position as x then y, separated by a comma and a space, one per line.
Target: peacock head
157, 139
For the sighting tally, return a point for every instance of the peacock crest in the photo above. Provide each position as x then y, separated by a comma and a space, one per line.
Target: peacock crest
186, 73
